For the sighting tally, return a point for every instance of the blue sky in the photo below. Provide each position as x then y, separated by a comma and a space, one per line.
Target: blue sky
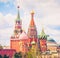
47, 14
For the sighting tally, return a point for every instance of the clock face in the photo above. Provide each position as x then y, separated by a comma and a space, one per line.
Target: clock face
16, 31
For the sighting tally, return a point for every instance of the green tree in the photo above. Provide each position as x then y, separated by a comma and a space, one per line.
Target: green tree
18, 55
5, 56
29, 55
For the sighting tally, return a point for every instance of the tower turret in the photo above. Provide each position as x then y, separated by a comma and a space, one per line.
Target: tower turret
43, 41
32, 32
18, 24
43, 35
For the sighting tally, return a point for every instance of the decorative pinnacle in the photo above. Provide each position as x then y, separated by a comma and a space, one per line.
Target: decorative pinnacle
42, 29
18, 13
32, 19
32, 14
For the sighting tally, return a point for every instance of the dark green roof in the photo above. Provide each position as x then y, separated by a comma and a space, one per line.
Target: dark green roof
43, 35
51, 40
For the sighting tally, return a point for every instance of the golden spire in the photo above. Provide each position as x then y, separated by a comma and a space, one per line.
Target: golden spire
32, 11
32, 14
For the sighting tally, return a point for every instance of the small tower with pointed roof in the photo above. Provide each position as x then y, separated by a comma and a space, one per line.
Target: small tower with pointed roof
43, 35
43, 41
18, 24
32, 32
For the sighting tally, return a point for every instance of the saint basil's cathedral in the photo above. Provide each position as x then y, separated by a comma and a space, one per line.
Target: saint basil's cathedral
22, 42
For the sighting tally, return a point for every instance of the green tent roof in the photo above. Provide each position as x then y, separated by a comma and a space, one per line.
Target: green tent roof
43, 35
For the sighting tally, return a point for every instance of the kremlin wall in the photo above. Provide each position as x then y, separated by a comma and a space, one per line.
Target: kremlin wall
23, 42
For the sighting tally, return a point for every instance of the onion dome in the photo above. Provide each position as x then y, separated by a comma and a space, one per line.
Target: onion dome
33, 42
32, 11
43, 35
32, 19
23, 35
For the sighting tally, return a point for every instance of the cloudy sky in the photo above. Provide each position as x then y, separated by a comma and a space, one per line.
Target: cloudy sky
47, 14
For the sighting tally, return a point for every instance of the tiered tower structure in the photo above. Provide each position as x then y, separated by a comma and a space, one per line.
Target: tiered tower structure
43, 41
14, 41
32, 32
18, 24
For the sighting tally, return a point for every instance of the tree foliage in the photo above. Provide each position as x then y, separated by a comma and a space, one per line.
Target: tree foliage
0, 56
5, 56
18, 55
29, 55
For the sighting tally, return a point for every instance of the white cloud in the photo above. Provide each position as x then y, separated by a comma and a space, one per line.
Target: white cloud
7, 19
6, 27
5, 1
